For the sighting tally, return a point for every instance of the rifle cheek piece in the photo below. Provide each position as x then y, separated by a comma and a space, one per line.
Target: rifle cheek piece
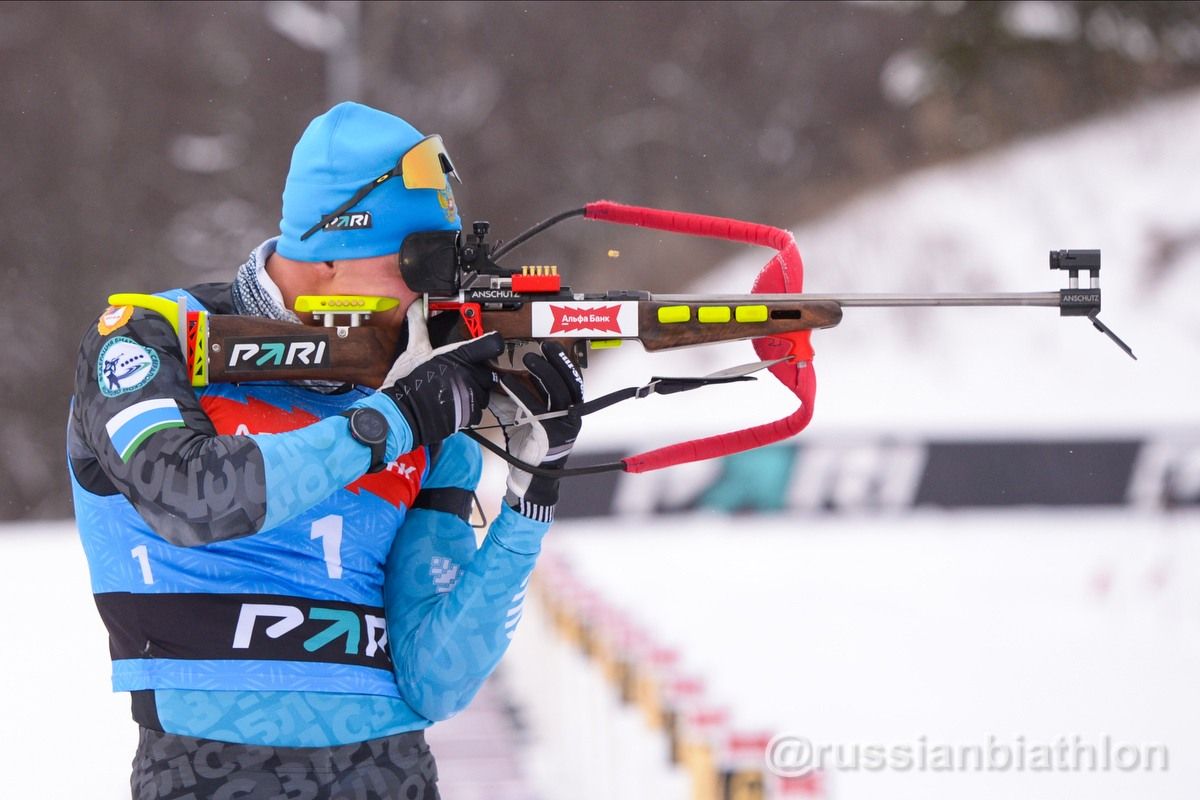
429, 262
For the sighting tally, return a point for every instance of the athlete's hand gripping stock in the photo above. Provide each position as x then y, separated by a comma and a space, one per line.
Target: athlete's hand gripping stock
445, 390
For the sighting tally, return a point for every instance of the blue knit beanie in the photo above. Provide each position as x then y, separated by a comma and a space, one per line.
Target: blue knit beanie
342, 150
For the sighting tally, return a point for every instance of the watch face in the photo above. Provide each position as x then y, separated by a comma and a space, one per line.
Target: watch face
370, 425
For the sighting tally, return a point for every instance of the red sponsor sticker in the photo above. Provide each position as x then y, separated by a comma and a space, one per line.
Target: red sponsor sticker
601, 318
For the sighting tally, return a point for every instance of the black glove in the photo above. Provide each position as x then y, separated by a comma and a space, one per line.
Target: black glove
555, 384
445, 390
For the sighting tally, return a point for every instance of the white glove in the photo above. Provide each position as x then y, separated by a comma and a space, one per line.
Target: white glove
418, 348
555, 385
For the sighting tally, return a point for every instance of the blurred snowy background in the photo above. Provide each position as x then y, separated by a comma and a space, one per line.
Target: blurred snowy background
145, 144
911, 147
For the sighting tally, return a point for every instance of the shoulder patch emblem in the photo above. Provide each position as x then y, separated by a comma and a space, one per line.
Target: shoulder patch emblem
124, 366
114, 317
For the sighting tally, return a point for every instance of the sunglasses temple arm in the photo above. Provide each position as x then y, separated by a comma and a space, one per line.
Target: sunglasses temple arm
346, 206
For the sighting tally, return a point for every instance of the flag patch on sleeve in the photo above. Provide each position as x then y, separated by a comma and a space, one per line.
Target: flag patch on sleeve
131, 427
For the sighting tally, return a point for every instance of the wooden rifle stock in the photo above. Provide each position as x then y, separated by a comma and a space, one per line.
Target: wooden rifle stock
773, 318
242, 349
747, 318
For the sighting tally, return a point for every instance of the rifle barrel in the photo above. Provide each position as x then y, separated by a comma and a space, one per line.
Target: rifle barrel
1050, 299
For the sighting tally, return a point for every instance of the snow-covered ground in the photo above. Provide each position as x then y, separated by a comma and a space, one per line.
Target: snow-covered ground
63, 733
951, 627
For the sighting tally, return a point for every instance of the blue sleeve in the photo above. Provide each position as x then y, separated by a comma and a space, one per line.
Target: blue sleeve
452, 608
304, 466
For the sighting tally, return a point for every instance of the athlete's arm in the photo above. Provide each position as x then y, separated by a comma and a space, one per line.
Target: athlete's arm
137, 428
452, 608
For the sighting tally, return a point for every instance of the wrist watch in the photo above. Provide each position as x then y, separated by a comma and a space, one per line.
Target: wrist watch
370, 427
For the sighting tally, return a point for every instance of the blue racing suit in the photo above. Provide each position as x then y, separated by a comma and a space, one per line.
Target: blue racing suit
257, 586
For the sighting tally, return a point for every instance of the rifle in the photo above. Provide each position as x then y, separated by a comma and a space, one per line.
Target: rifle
467, 293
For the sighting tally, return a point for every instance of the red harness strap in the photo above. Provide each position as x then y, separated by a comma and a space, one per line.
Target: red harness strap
783, 273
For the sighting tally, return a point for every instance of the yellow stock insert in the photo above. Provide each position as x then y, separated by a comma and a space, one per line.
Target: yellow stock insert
193, 334
160, 305
751, 313
343, 304
713, 313
604, 344
668, 314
